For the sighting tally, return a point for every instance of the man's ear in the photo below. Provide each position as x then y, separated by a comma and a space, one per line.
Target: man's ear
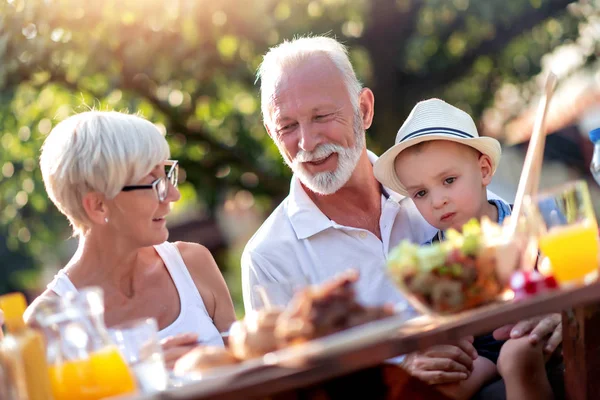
487, 171
366, 104
94, 204
268, 130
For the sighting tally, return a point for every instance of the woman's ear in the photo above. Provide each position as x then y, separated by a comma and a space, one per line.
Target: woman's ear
487, 171
94, 204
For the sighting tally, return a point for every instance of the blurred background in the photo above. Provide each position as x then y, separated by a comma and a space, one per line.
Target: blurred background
189, 66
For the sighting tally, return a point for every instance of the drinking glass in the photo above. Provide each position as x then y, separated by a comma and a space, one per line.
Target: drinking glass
568, 231
139, 344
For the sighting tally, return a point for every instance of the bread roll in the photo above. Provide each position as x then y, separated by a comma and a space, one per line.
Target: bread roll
203, 358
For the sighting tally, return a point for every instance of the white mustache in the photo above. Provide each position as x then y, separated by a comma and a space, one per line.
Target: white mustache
321, 152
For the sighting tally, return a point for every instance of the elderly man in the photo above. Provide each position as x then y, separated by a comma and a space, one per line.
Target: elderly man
337, 216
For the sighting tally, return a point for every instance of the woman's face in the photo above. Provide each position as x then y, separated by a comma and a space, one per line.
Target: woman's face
139, 215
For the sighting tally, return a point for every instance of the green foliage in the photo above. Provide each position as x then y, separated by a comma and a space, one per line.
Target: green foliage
189, 66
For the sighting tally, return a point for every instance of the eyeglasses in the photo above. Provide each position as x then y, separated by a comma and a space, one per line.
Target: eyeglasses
161, 185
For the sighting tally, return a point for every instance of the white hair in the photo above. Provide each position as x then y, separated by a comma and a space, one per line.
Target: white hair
292, 53
97, 151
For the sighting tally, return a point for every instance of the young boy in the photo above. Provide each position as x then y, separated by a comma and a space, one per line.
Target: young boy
442, 164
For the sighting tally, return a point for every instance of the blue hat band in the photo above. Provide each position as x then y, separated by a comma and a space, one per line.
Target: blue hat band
437, 130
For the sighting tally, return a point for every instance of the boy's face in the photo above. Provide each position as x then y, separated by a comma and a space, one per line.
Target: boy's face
446, 180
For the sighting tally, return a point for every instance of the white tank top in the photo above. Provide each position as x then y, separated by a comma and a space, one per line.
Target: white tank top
193, 316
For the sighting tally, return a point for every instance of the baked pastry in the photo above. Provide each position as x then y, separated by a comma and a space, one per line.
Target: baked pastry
318, 311
254, 335
203, 358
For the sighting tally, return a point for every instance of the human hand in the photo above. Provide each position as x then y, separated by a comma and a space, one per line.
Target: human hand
484, 370
546, 327
176, 346
443, 363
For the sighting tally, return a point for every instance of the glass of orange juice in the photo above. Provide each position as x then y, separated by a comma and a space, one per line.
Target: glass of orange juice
569, 232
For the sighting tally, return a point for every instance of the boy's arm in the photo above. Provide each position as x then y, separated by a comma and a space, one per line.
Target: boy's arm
483, 371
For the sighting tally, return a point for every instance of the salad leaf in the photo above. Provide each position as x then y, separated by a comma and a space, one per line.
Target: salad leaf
409, 257
456, 269
472, 228
431, 257
471, 238
471, 245
453, 237
404, 255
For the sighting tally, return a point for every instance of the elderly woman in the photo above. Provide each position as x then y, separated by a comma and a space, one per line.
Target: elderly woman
109, 173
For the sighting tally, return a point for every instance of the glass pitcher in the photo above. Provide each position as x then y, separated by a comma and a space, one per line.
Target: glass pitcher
83, 362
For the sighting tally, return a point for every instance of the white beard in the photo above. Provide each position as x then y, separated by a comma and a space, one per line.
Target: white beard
330, 182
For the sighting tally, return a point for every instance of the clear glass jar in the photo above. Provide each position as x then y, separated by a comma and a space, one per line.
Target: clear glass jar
84, 363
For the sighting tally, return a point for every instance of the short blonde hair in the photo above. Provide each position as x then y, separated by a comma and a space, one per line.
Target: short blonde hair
97, 151
292, 53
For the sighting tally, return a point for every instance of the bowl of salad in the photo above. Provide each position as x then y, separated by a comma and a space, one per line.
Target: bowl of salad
467, 270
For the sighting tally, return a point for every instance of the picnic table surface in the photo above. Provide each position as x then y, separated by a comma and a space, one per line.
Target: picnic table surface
369, 345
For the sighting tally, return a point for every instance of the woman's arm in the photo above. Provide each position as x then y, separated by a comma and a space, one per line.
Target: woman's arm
210, 283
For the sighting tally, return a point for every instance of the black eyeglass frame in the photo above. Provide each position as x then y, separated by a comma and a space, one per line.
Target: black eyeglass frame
171, 177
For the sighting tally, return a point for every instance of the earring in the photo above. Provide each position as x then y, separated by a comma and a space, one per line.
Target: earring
106, 219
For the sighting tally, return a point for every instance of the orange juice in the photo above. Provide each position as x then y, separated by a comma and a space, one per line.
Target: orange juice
104, 374
572, 250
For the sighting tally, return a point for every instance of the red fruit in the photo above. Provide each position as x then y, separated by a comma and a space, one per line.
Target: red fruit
531, 287
525, 284
550, 282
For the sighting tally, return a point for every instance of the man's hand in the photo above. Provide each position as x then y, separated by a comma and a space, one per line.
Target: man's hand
176, 346
442, 364
547, 327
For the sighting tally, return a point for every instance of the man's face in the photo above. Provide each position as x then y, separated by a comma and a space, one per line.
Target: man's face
313, 123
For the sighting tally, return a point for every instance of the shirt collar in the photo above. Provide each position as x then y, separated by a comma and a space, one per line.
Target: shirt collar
306, 218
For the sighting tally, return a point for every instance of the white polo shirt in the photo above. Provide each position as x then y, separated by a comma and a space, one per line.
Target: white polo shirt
298, 243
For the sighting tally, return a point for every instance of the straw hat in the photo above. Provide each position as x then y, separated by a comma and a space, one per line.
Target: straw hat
433, 119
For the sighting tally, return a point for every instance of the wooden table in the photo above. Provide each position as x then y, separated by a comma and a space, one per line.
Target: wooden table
369, 345
581, 352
